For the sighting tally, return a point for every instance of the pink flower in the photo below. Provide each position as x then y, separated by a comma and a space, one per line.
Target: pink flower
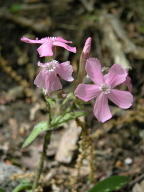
47, 77
104, 89
84, 56
48, 43
87, 48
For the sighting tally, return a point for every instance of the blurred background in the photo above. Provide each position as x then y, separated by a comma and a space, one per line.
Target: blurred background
117, 31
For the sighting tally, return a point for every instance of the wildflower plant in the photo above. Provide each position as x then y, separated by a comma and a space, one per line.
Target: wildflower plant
103, 89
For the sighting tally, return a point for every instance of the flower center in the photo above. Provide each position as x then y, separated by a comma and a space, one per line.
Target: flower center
106, 88
51, 66
51, 39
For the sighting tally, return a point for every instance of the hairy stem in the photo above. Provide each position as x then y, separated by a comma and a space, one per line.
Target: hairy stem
41, 161
43, 153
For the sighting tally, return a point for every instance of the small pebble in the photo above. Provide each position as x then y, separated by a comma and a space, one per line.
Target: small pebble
128, 161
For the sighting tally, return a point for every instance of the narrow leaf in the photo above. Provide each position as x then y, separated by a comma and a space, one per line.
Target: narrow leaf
22, 187
15, 7
56, 123
51, 101
61, 119
110, 184
2, 190
37, 130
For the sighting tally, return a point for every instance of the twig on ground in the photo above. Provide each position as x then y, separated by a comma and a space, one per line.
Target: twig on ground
117, 41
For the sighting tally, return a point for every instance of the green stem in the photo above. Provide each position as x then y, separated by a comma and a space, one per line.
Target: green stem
41, 161
43, 153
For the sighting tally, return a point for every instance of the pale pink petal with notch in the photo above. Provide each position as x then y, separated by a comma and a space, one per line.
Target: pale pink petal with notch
27, 40
101, 108
45, 49
67, 47
93, 69
123, 99
116, 75
87, 92
65, 70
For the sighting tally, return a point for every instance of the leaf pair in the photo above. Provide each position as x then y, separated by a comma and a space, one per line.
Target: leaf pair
55, 123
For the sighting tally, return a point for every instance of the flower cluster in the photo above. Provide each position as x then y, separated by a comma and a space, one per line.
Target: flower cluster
47, 79
104, 87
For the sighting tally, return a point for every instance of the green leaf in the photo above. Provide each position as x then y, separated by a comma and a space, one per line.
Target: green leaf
110, 184
37, 130
2, 190
22, 187
141, 29
15, 7
69, 97
61, 119
51, 101
56, 123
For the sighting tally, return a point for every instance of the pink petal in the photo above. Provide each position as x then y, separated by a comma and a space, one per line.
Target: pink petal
65, 70
123, 99
40, 79
116, 75
52, 82
87, 47
128, 83
93, 69
62, 40
48, 81
101, 108
45, 49
83, 58
67, 47
27, 40
87, 92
